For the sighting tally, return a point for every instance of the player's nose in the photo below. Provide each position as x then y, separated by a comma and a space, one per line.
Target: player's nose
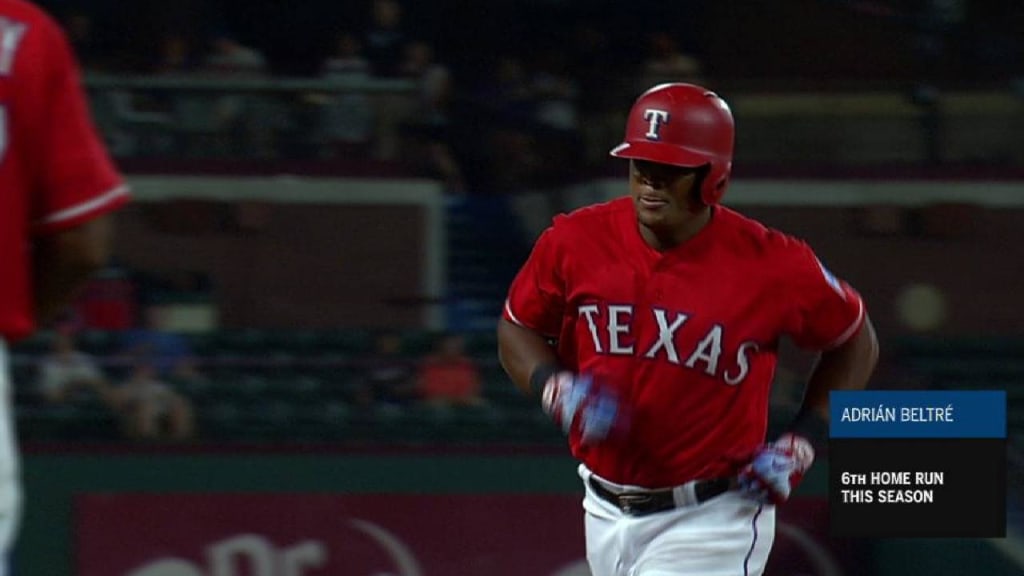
653, 183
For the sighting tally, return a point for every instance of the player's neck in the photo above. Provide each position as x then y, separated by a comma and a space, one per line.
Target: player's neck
662, 239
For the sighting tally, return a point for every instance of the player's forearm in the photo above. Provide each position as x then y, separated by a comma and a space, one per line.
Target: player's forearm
848, 367
521, 351
63, 262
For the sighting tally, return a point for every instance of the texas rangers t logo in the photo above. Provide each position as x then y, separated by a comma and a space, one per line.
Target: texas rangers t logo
655, 118
11, 33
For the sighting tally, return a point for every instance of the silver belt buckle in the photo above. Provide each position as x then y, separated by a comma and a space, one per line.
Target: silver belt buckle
628, 501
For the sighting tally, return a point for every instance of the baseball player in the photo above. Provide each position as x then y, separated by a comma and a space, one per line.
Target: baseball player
649, 327
56, 184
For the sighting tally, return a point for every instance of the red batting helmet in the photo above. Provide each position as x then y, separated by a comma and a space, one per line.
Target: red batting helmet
682, 125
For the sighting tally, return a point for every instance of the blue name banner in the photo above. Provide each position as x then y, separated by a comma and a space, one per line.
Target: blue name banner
917, 414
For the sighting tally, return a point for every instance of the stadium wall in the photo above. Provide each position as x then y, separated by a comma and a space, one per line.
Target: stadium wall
113, 513
929, 256
295, 252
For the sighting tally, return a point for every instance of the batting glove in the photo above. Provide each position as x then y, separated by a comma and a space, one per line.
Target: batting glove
777, 469
574, 401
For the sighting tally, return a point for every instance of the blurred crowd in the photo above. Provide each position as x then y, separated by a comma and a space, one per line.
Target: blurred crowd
138, 383
488, 98
473, 117
149, 381
447, 90
484, 98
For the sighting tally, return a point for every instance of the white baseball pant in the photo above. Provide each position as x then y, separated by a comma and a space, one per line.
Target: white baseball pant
10, 481
728, 535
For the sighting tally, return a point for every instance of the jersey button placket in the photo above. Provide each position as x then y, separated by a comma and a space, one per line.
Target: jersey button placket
656, 290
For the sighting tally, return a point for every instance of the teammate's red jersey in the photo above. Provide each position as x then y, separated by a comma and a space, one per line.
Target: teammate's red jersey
687, 337
54, 171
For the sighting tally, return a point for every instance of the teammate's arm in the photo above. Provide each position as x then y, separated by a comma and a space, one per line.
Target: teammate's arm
521, 352
73, 179
64, 260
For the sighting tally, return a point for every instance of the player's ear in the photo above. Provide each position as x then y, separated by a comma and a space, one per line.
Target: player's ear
696, 198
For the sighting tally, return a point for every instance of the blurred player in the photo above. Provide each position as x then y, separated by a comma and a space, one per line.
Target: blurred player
666, 310
56, 184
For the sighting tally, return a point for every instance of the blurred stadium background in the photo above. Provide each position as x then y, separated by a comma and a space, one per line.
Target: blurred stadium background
312, 176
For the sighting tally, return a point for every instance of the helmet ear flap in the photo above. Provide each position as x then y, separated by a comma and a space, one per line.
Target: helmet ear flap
715, 183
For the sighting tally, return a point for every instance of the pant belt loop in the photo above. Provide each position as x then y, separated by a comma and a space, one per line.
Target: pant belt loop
685, 495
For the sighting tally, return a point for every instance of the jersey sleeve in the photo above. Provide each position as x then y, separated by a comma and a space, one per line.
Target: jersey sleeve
825, 311
536, 299
75, 179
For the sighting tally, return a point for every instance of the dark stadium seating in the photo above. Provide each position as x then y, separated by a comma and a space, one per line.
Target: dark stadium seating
290, 386
969, 364
296, 386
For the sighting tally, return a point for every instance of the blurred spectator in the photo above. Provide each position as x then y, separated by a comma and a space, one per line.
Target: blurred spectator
149, 408
79, 29
936, 24
230, 58
346, 60
385, 39
67, 374
555, 92
174, 55
194, 122
168, 353
347, 118
434, 81
667, 63
449, 377
428, 131
511, 157
137, 122
599, 100
435, 158
108, 301
509, 92
244, 121
388, 378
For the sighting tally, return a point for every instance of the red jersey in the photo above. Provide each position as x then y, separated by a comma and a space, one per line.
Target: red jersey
687, 337
54, 170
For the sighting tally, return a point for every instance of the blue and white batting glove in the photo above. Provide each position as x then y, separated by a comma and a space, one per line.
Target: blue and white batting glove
777, 469
573, 400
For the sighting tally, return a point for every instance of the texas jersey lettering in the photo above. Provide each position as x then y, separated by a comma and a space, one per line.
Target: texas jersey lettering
611, 327
687, 338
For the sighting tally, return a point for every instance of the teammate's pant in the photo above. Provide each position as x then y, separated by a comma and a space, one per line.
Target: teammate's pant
728, 535
10, 487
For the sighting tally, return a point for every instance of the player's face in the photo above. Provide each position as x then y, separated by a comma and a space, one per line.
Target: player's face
662, 194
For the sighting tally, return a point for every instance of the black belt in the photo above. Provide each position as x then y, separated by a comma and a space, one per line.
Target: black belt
636, 503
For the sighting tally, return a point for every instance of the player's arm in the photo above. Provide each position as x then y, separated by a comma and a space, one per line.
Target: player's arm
778, 468
64, 260
828, 315
847, 367
523, 353
533, 315
571, 399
